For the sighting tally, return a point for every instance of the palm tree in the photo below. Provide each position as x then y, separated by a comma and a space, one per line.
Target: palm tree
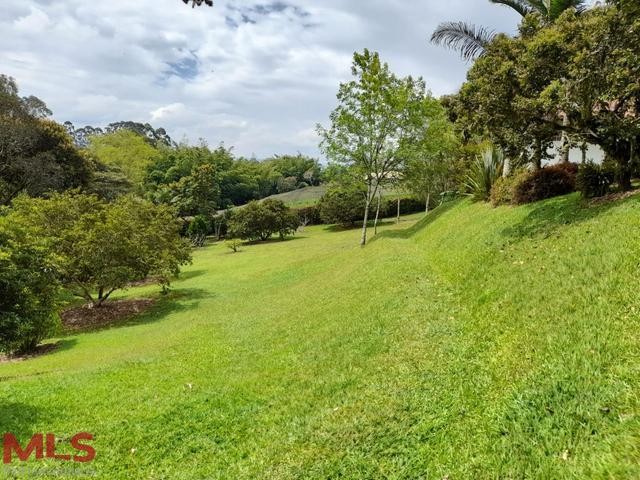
197, 3
471, 41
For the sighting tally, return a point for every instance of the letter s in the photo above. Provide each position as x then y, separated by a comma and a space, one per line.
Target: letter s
75, 443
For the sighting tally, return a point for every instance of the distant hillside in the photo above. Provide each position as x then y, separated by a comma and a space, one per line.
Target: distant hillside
302, 197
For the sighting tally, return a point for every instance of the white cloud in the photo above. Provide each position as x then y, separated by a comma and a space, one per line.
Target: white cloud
258, 75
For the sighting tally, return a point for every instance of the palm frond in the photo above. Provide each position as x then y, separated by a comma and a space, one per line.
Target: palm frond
557, 7
523, 7
197, 3
470, 41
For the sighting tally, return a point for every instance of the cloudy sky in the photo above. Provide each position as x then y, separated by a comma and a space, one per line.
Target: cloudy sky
258, 75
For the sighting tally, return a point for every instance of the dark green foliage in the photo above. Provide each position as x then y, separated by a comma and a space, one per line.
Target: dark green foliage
36, 154
28, 288
342, 205
544, 183
594, 180
198, 230
308, 215
101, 247
260, 220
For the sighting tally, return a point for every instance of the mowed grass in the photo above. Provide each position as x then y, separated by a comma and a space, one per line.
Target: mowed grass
472, 343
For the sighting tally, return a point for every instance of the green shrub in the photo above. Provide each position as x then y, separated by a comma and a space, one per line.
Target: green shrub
502, 191
544, 183
342, 205
198, 230
484, 172
408, 205
260, 220
308, 215
28, 288
594, 180
102, 247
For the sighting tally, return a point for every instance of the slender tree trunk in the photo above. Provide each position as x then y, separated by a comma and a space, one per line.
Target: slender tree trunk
624, 173
398, 214
363, 240
537, 156
375, 223
565, 147
584, 148
506, 167
426, 207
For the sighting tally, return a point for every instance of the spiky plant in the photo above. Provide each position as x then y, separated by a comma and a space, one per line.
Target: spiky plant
484, 172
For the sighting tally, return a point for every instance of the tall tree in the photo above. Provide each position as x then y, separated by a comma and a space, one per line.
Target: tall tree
378, 121
471, 41
36, 154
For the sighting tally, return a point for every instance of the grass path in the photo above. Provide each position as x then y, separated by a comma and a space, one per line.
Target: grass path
473, 343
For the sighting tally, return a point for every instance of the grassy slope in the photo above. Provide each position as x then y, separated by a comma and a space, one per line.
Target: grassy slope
302, 197
477, 343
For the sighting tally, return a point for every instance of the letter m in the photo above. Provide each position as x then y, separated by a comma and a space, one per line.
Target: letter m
11, 445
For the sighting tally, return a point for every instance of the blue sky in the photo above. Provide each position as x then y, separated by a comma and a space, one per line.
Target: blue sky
256, 75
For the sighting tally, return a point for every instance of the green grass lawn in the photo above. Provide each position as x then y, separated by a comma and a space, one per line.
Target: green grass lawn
472, 343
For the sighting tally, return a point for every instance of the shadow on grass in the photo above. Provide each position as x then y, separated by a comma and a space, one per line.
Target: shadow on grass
421, 224
275, 240
357, 226
18, 418
545, 218
177, 300
190, 274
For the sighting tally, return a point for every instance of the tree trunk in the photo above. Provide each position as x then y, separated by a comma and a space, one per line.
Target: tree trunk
367, 204
375, 223
584, 148
398, 214
537, 156
624, 175
426, 207
565, 147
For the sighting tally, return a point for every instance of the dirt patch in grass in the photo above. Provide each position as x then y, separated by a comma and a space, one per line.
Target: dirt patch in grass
40, 350
110, 313
613, 197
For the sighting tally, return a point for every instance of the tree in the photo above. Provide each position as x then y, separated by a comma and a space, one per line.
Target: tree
197, 194
430, 170
377, 123
36, 154
99, 248
128, 151
472, 41
577, 76
260, 220
28, 289
197, 3
342, 204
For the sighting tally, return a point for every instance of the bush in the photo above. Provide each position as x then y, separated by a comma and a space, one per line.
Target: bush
544, 183
308, 215
260, 220
342, 205
234, 245
502, 191
486, 170
102, 247
594, 180
198, 230
408, 205
28, 288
